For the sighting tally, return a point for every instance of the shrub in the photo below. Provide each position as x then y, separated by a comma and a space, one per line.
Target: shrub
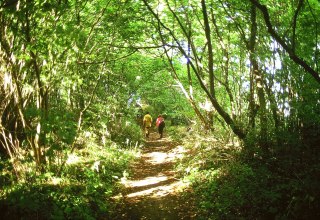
87, 182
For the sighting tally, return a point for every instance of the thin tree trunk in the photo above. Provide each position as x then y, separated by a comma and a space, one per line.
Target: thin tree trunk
226, 66
39, 139
210, 49
258, 80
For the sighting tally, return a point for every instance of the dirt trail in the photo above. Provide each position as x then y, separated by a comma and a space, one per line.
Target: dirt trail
153, 191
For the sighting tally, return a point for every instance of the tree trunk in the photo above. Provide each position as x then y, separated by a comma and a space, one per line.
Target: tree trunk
257, 74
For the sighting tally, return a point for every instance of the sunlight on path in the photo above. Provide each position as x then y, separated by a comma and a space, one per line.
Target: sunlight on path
161, 180
157, 192
153, 190
145, 182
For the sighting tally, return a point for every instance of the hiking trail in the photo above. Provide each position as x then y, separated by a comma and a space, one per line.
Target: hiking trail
153, 191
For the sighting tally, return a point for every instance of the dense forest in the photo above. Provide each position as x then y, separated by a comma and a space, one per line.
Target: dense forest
237, 81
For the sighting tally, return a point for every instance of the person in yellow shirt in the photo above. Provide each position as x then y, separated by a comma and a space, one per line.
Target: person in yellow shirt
147, 122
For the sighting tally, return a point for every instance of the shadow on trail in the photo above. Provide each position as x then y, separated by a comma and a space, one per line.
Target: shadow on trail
153, 191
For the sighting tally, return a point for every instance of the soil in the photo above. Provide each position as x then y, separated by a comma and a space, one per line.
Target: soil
153, 191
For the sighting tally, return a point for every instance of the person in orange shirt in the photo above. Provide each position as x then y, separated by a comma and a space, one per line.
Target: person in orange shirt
160, 124
147, 122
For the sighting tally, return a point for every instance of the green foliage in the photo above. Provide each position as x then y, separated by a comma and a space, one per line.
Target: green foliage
129, 134
228, 185
77, 75
6, 175
61, 127
82, 192
45, 201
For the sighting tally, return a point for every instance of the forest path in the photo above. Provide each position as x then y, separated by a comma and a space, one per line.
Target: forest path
153, 192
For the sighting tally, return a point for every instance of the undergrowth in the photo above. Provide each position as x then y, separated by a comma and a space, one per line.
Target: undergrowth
228, 185
82, 191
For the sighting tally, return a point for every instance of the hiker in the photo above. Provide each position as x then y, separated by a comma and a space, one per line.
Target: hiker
147, 121
160, 124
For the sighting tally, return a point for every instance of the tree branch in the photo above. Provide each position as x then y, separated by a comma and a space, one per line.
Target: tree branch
295, 17
295, 58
